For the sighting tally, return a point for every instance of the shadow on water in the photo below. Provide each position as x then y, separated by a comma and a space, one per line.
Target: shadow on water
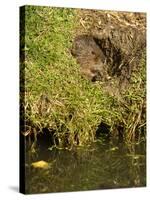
101, 166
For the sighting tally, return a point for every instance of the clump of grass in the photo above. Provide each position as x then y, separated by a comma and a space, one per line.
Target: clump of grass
55, 96
135, 127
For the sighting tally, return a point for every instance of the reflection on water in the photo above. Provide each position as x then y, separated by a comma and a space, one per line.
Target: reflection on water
97, 167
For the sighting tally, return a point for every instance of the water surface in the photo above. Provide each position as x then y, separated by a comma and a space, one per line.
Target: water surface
100, 166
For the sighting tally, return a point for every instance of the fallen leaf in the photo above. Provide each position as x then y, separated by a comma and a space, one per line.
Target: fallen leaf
40, 164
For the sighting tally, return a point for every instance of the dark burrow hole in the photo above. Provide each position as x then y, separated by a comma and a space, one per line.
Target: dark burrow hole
46, 138
103, 130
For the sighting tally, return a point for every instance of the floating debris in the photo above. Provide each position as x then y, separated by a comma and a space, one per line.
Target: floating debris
40, 164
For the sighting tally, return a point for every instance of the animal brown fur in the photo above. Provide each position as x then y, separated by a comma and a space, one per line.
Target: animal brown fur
90, 57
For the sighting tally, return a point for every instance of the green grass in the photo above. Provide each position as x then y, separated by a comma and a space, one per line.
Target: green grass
56, 96
136, 99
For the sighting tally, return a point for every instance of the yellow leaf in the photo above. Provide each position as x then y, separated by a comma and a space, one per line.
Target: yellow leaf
40, 164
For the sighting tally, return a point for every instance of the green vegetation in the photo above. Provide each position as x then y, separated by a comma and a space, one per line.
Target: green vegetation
57, 97
136, 100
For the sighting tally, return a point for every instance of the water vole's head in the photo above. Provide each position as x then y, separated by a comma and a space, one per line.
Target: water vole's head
91, 58
95, 72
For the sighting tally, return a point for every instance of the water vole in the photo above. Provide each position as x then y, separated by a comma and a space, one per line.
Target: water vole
90, 57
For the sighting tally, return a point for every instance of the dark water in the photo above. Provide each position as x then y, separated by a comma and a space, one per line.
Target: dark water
99, 166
